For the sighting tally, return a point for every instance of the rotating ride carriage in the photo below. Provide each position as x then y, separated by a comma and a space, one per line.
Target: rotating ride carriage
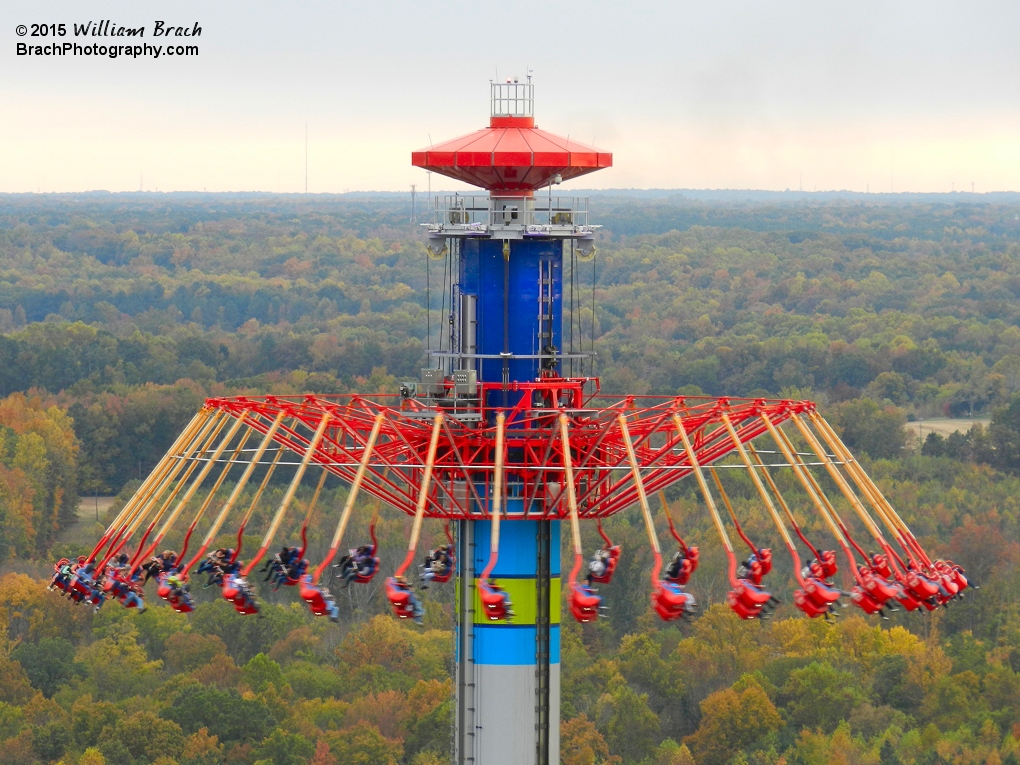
572, 459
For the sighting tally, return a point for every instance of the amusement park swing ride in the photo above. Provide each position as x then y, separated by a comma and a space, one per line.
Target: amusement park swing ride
500, 438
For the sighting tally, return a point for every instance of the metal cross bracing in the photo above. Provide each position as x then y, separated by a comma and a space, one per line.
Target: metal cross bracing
463, 470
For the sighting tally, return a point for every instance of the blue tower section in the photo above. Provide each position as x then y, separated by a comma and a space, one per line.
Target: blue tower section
518, 286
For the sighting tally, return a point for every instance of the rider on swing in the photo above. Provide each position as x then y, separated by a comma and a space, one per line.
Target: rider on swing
359, 562
218, 565
158, 564
598, 565
437, 564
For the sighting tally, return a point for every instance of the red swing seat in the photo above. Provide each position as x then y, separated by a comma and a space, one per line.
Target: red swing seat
58, 580
495, 601
670, 602
921, 587
959, 576
451, 556
908, 601
747, 600
366, 578
820, 592
162, 588
690, 557
451, 567
765, 559
877, 586
584, 603
860, 598
373, 550
236, 591
827, 559
808, 605
312, 595
880, 565
400, 595
448, 574
614, 559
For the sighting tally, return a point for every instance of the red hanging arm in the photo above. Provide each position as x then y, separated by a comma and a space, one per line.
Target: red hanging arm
729, 509
254, 503
669, 520
782, 503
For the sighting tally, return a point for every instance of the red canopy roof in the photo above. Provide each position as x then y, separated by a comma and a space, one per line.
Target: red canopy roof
512, 155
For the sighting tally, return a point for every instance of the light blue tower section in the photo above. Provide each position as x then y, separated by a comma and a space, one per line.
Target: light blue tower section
508, 676
514, 643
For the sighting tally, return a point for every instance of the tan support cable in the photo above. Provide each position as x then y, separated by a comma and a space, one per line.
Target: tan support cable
222, 477
288, 497
678, 423
423, 494
875, 502
663, 502
352, 495
208, 500
315, 496
201, 477
359, 477
775, 490
635, 469
724, 495
808, 488
886, 511
262, 486
193, 460
192, 464
758, 484
190, 433
669, 520
838, 478
169, 462
497, 484
568, 479
245, 477
157, 485
814, 483
426, 480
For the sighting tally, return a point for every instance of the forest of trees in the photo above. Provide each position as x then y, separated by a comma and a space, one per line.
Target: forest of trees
120, 313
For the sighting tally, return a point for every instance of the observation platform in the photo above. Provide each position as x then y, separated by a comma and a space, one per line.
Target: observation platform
485, 217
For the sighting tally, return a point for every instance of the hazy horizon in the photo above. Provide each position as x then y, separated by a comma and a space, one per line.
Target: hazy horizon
791, 95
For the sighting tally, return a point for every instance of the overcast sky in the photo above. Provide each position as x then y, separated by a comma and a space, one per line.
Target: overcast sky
908, 96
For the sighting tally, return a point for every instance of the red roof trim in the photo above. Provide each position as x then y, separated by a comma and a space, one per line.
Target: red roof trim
511, 156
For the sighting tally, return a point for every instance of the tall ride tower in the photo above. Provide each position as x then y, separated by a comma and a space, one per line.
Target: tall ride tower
506, 327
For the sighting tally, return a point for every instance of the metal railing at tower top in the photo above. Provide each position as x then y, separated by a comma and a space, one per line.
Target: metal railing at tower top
482, 211
513, 99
